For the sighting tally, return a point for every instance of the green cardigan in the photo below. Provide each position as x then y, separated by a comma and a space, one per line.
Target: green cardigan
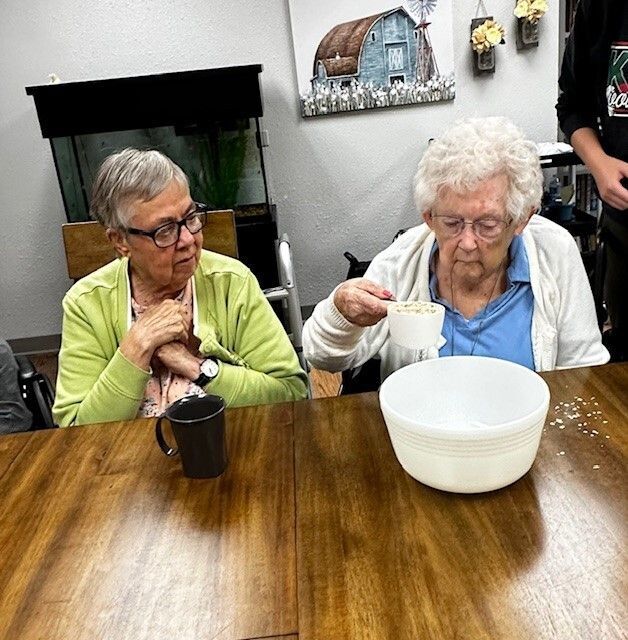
234, 322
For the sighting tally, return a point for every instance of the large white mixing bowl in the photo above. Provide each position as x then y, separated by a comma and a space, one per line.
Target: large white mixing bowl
465, 423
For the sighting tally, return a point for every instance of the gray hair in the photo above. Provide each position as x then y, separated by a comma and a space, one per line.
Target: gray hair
126, 177
474, 150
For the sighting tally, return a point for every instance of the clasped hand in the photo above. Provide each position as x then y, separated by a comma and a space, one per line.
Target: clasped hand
162, 331
361, 301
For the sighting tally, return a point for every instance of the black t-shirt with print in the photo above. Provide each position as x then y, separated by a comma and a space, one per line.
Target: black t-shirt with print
615, 125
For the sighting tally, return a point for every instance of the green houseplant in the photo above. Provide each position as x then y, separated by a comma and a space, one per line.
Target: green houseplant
221, 155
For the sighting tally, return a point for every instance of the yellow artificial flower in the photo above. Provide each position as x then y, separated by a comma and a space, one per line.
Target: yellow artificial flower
531, 10
522, 9
479, 41
487, 35
539, 6
494, 36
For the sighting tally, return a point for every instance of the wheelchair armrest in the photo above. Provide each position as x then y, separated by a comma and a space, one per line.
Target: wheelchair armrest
25, 367
37, 391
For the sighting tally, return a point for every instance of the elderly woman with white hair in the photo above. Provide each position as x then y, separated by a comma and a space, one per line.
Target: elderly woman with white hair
168, 319
512, 283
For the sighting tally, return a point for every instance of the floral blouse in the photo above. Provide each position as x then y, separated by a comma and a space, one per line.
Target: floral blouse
164, 387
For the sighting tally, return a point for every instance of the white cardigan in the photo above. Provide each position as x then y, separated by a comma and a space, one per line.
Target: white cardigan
564, 325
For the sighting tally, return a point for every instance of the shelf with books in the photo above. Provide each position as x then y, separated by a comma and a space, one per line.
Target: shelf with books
586, 196
570, 197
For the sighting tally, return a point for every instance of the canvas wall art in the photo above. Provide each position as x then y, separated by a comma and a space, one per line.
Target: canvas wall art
352, 56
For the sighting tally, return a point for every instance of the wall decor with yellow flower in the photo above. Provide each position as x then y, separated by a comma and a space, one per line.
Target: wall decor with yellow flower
528, 14
486, 34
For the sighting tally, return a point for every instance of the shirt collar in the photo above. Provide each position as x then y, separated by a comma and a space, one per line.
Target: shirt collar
519, 267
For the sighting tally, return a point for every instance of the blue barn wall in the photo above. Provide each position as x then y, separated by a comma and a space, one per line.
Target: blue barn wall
399, 36
371, 63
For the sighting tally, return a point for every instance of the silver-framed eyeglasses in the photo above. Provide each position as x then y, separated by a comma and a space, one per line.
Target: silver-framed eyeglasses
486, 228
167, 234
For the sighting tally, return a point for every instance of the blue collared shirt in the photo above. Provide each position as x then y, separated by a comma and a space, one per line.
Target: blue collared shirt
503, 329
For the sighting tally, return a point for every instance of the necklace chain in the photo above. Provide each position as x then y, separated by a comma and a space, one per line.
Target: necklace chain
484, 314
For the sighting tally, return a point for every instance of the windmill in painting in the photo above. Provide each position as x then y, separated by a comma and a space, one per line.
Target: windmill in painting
426, 66
380, 60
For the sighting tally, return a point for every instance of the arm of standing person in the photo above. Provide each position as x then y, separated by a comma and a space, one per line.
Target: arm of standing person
577, 108
607, 171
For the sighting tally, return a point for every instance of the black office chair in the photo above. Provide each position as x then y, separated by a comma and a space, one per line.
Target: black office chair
37, 393
357, 268
361, 379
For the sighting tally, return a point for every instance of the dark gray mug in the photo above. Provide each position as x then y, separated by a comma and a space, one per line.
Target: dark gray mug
198, 425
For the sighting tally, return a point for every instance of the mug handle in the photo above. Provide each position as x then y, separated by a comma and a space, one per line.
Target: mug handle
165, 447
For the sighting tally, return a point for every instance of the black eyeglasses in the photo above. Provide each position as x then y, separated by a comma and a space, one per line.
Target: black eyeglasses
485, 228
168, 234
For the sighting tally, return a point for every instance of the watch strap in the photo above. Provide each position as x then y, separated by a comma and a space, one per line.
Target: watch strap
202, 380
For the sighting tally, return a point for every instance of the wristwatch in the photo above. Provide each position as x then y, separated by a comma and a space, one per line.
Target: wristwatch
209, 370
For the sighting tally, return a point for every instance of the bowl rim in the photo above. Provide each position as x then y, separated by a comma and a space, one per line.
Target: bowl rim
488, 431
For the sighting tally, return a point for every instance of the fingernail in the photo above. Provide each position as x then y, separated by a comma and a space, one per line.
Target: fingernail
388, 294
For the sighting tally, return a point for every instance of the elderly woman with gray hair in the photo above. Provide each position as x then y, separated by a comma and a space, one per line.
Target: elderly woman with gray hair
168, 319
512, 283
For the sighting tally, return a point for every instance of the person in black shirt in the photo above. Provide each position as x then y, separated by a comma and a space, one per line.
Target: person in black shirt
593, 113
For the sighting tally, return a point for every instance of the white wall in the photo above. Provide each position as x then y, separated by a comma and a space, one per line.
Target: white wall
341, 182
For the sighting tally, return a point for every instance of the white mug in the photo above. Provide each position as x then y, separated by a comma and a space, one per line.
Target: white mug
415, 325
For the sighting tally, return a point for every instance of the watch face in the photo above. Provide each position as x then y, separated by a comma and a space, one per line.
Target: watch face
209, 367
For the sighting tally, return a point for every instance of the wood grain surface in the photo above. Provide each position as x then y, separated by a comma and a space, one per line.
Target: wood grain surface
103, 538
383, 556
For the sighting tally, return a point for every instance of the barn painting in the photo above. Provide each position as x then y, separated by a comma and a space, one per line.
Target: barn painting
391, 57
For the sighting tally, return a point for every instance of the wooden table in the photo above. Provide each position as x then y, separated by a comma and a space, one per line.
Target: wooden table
103, 538
315, 531
383, 556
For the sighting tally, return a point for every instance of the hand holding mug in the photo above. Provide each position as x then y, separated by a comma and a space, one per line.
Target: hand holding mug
362, 302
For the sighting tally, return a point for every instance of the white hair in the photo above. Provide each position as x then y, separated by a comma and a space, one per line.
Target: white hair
475, 150
126, 177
